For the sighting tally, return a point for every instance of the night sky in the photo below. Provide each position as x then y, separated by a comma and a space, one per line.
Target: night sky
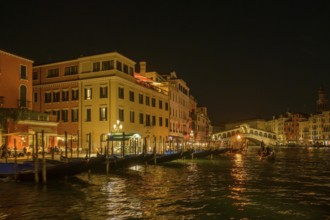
240, 59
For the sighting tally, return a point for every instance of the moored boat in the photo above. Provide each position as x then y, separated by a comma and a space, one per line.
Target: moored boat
99, 163
25, 171
168, 156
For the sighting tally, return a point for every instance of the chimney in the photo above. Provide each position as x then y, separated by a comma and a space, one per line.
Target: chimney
143, 67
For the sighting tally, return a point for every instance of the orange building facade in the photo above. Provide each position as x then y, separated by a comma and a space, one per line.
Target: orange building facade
18, 123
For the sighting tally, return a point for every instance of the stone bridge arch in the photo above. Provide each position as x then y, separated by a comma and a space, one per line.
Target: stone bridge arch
244, 131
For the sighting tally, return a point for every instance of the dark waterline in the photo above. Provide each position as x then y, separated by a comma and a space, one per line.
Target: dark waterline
232, 186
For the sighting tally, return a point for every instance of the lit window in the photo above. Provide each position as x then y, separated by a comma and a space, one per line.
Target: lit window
23, 72
103, 113
88, 93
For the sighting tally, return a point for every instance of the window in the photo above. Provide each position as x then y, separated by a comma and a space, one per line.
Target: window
70, 70
74, 94
23, 72
74, 115
125, 68
160, 102
53, 73
131, 117
88, 93
166, 122
160, 121
22, 96
35, 97
96, 67
88, 114
166, 106
65, 115
65, 95
103, 92
131, 71
48, 97
108, 65
147, 100
121, 92
121, 114
35, 75
153, 102
103, 113
147, 120
141, 98
141, 118
119, 66
131, 96
56, 96
153, 121
57, 114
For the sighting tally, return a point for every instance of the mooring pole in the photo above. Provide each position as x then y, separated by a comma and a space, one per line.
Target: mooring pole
66, 146
15, 152
36, 162
107, 154
44, 174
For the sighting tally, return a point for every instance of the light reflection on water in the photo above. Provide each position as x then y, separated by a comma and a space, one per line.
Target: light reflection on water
232, 186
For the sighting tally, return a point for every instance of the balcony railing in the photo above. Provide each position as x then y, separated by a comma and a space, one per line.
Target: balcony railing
23, 103
24, 114
2, 101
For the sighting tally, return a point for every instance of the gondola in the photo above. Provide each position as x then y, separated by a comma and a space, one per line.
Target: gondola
168, 156
99, 163
25, 171
201, 153
268, 157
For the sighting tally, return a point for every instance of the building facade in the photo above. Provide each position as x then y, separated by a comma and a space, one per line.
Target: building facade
18, 123
100, 98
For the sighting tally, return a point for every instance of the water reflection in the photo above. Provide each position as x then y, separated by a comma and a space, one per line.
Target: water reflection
233, 186
238, 187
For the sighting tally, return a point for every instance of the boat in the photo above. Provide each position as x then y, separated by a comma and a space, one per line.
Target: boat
270, 156
221, 150
99, 163
25, 171
168, 156
201, 153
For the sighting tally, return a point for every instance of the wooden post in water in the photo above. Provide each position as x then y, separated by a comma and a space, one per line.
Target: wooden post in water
89, 152
123, 145
77, 144
15, 152
71, 148
36, 162
44, 174
66, 146
107, 154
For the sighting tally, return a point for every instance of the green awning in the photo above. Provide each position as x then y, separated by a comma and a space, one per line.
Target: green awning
123, 136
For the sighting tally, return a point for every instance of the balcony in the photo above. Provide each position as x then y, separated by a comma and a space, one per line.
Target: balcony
2, 101
23, 103
24, 114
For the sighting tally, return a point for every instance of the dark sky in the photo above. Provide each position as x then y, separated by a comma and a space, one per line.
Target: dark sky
241, 59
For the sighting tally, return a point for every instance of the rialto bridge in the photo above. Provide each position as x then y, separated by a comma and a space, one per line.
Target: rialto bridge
243, 133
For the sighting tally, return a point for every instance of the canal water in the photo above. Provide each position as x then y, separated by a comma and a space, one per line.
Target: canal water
231, 186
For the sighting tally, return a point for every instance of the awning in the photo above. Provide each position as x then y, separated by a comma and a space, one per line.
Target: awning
40, 129
123, 136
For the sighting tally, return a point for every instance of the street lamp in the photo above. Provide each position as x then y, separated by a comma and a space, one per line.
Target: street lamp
135, 138
118, 127
170, 143
107, 152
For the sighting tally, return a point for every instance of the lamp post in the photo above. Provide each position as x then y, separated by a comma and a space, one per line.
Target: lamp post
135, 139
118, 127
107, 152
170, 143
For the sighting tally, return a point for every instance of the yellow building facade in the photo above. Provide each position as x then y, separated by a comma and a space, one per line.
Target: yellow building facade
95, 93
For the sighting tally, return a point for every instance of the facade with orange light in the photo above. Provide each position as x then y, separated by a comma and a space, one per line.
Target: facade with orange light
88, 95
18, 122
